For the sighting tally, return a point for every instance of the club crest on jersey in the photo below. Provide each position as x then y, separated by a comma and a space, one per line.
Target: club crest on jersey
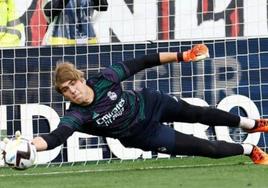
112, 95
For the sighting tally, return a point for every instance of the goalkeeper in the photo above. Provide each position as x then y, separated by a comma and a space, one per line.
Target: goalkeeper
99, 106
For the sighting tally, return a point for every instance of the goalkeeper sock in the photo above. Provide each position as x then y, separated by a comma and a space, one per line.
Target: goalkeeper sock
247, 148
246, 123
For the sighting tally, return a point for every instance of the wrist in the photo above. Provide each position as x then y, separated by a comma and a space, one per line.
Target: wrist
179, 56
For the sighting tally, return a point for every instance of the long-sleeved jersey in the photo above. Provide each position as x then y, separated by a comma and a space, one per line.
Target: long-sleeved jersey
114, 112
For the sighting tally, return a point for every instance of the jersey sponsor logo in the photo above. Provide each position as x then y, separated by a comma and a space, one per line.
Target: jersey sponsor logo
116, 112
112, 95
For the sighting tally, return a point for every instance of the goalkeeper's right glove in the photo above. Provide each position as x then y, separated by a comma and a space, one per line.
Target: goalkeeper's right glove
197, 53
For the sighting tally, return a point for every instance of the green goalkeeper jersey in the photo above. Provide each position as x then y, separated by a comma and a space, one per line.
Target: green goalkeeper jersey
113, 112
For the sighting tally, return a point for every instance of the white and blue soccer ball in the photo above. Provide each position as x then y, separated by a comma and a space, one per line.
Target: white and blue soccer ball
19, 153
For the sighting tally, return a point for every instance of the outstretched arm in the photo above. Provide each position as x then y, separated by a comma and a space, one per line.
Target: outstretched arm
197, 53
53, 139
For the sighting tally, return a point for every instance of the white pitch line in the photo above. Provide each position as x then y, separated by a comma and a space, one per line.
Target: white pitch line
117, 170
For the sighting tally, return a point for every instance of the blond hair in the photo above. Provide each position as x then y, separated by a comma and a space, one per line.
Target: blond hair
66, 71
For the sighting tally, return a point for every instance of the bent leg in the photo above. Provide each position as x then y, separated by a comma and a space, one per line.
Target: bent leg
165, 139
181, 111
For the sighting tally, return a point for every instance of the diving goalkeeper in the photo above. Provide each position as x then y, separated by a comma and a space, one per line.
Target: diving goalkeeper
99, 106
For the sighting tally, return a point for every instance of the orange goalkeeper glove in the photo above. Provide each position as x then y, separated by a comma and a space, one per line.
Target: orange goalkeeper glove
197, 53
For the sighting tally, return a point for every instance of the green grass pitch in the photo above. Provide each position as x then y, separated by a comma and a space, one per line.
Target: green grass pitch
187, 172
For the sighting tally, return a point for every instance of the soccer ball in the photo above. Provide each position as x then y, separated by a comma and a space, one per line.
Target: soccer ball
19, 154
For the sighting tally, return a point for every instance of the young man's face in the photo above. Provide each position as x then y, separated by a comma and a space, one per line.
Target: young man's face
76, 91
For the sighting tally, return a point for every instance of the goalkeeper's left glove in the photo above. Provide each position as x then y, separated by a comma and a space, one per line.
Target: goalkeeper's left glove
197, 53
